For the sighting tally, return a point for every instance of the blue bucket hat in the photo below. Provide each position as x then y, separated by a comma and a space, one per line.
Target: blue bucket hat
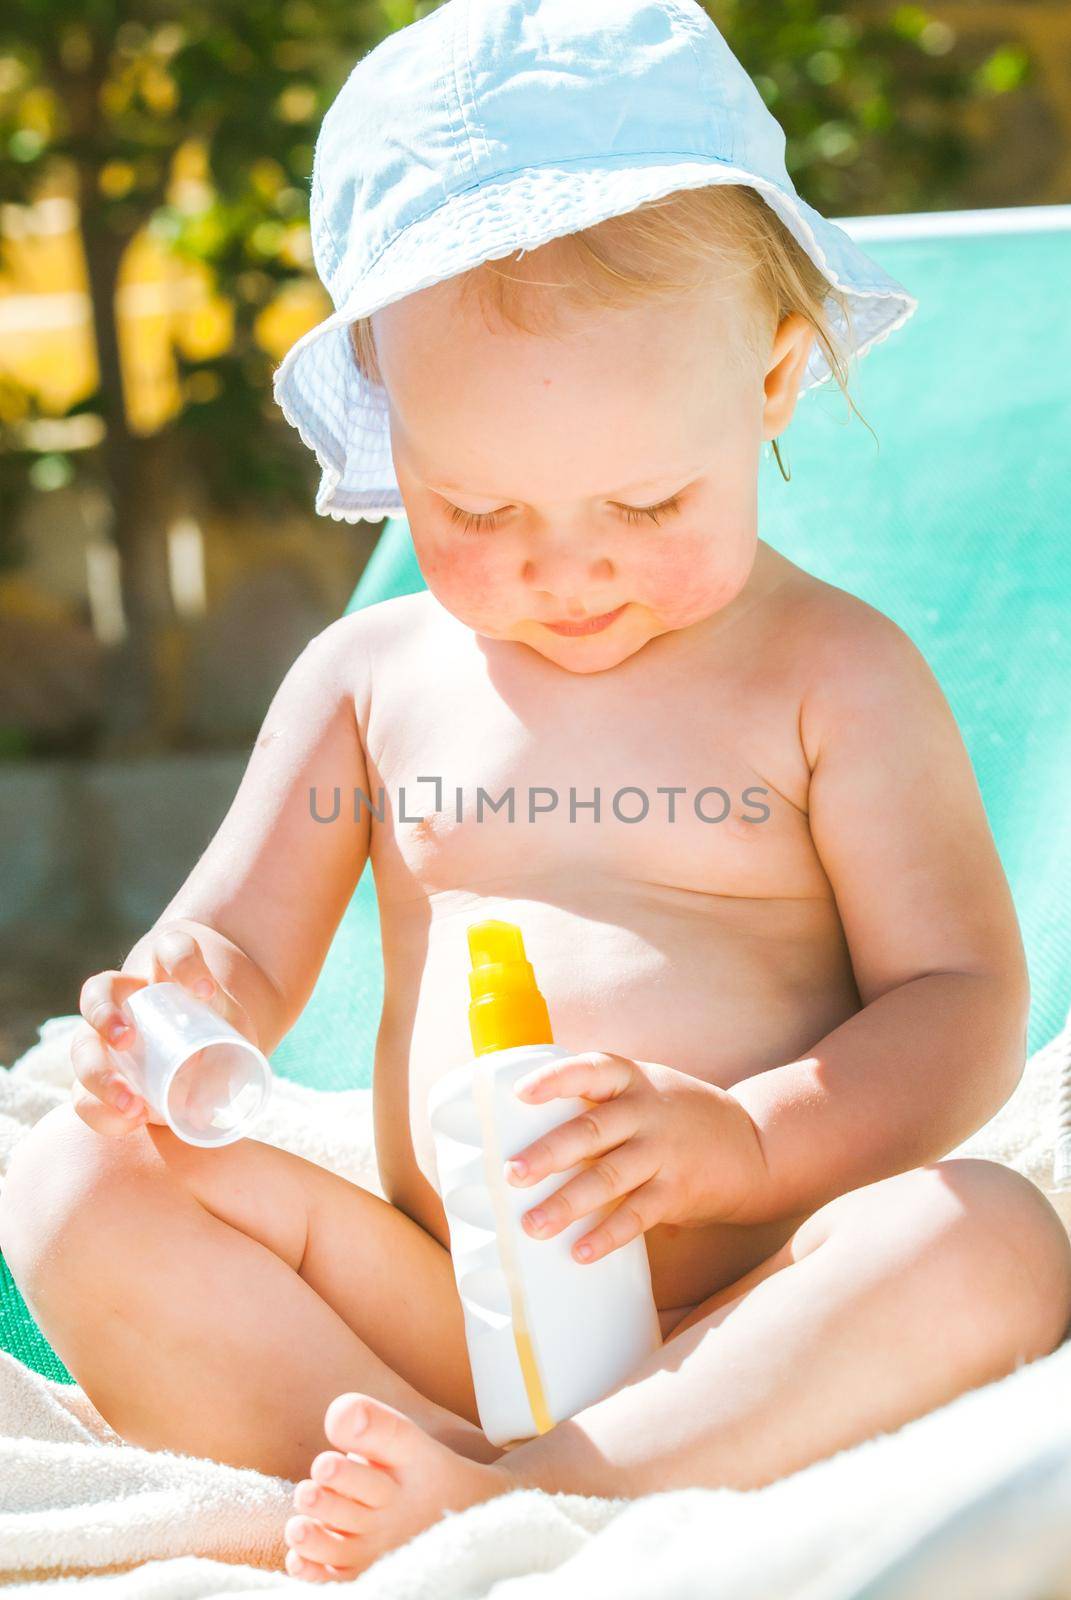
492, 126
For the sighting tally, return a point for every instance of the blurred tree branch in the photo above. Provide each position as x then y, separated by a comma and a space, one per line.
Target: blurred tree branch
110, 90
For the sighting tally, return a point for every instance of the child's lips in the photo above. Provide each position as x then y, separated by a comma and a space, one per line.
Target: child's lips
589, 624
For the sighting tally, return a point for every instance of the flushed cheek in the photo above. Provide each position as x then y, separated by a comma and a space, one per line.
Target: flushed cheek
686, 583
461, 575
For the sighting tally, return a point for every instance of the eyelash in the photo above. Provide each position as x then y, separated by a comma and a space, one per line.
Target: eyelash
484, 522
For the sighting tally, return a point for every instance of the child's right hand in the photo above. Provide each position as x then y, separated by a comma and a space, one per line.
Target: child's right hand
102, 1097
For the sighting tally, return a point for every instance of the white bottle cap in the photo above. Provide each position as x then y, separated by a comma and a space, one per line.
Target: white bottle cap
207, 1081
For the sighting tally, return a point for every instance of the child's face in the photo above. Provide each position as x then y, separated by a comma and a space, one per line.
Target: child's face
566, 440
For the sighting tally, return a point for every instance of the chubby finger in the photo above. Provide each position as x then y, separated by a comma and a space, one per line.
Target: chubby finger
101, 1001
582, 1138
616, 1174
178, 958
593, 1075
640, 1210
99, 1089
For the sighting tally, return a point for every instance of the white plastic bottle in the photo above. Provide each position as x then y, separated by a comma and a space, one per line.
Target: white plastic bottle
547, 1335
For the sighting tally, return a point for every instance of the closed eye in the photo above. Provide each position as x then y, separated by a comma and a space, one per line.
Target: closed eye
664, 508
483, 522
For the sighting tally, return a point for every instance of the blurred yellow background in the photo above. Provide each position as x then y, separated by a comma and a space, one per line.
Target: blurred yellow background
47, 345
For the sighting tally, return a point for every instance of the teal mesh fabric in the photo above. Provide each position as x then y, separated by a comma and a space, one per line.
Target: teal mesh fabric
956, 527
21, 1337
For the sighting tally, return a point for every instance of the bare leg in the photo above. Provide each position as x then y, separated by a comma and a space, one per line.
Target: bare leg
214, 1301
886, 1303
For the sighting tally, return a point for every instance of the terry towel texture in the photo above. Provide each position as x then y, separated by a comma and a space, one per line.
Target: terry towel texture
971, 1501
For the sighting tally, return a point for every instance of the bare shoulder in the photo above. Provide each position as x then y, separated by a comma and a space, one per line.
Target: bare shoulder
855, 663
349, 650
403, 620
377, 623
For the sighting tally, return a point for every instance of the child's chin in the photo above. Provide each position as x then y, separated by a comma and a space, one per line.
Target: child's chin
590, 654
594, 652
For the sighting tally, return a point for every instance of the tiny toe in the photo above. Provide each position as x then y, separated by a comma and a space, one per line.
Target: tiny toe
326, 1465
354, 1481
344, 1514
322, 1545
345, 1419
374, 1430
299, 1568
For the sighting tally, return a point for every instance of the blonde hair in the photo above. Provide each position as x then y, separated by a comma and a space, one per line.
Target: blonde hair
666, 247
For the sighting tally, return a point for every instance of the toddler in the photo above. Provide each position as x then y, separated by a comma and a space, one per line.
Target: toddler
576, 294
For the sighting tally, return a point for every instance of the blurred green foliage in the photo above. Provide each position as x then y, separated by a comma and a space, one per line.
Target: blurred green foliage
869, 104
113, 88
871, 101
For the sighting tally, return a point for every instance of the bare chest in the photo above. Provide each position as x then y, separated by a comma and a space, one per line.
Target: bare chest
647, 779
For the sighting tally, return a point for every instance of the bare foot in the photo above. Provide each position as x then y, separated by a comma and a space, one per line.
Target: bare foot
352, 1511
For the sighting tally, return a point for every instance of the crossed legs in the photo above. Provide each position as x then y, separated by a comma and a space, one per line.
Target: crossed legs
242, 1304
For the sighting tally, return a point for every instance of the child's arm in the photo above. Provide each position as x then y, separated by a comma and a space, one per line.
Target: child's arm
898, 821
267, 895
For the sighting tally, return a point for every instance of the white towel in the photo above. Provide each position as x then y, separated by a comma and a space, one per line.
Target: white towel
969, 1502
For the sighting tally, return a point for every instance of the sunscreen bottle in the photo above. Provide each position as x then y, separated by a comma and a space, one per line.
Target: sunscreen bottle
547, 1335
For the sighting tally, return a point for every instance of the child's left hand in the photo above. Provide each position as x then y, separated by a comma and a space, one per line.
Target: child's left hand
668, 1147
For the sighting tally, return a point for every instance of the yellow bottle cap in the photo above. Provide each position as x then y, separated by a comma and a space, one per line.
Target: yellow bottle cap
507, 1008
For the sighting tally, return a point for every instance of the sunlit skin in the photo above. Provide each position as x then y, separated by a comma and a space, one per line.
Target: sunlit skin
780, 1029
563, 444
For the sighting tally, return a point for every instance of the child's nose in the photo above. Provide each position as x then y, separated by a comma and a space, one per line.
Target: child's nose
578, 579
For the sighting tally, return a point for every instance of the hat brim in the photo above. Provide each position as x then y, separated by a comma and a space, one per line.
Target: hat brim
343, 417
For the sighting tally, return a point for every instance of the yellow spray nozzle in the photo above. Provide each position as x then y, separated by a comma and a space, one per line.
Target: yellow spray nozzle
495, 943
506, 1008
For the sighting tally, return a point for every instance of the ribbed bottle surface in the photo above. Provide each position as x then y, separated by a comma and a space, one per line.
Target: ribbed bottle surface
547, 1335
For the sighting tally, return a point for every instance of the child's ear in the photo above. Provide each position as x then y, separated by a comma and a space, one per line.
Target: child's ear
784, 374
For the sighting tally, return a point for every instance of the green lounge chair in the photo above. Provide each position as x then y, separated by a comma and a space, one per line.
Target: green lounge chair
957, 528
